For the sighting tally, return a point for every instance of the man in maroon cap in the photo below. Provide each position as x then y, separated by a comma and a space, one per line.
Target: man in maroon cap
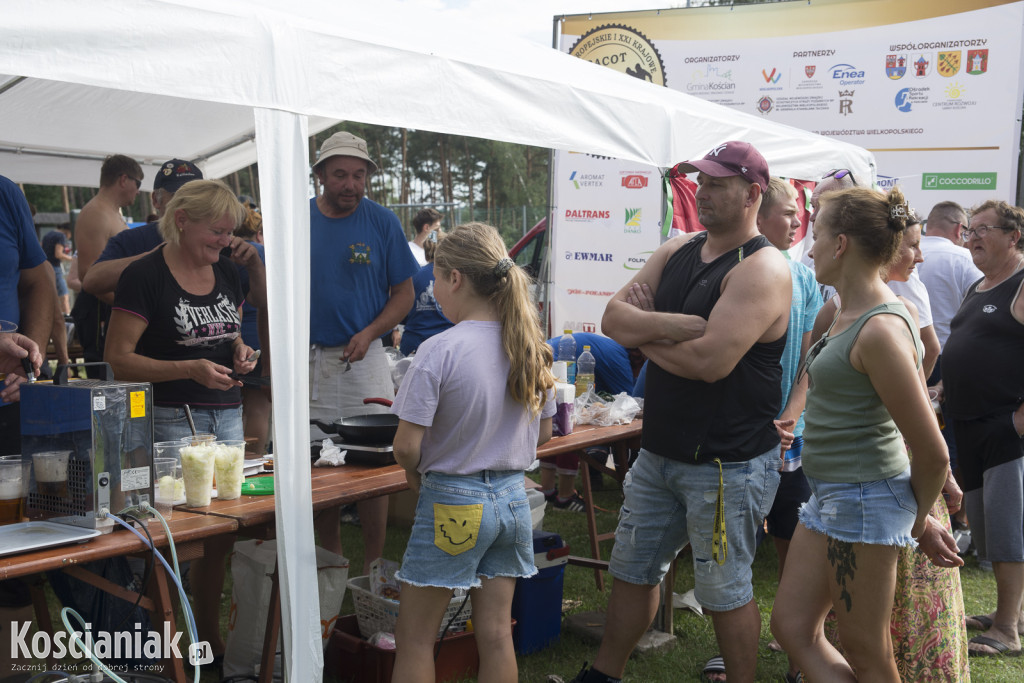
710, 310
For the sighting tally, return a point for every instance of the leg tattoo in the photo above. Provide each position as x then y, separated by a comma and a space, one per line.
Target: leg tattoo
844, 561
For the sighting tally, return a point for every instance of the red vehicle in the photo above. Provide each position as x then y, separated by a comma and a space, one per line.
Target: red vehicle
531, 253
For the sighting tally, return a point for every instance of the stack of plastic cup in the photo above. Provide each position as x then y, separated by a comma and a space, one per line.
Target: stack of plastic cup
169, 484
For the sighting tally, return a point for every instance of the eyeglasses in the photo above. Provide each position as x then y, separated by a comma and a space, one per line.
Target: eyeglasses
812, 353
980, 231
138, 183
839, 174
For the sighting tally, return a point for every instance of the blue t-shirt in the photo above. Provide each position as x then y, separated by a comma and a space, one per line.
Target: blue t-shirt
19, 247
132, 242
250, 326
354, 262
50, 242
804, 309
612, 370
135, 241
424, 319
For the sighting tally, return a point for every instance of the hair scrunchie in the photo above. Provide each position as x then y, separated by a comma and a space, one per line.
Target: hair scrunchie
504, 265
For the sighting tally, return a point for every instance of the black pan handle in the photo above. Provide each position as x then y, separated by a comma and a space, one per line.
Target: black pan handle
325, 427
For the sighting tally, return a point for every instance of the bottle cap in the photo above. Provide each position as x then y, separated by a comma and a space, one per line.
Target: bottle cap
586, 348
566, 331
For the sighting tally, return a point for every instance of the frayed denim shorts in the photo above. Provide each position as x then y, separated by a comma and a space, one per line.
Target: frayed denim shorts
670, 503
467, 527
875, 512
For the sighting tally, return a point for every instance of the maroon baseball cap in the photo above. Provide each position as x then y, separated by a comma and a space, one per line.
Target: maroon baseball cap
731, 158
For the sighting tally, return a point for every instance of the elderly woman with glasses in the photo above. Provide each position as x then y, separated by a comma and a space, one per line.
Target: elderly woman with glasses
983, 385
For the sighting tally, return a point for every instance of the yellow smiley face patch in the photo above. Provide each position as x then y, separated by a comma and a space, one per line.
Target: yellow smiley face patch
456, 527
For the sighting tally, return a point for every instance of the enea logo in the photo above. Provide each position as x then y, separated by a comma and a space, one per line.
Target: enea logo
847, 74
772, 77
588, 256
581, 180
632, 222
637, 261
634, 181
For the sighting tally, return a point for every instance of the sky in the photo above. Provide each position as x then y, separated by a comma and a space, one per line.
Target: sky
527, 19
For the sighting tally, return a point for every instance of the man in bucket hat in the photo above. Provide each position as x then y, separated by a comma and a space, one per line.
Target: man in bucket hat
710, 310
361, 269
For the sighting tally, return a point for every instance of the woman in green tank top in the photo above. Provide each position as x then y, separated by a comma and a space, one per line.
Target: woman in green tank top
866, 396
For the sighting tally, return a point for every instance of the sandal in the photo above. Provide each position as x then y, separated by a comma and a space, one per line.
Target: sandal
983, 622
715, 665
1001, 649
798, 678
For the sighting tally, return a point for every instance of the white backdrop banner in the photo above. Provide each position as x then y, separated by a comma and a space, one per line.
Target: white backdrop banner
932, 87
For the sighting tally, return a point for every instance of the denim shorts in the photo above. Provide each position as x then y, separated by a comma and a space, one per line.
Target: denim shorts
875, 512
170, 423
467, 527
669, 504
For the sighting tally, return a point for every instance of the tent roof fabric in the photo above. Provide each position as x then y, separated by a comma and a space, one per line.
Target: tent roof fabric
178, 79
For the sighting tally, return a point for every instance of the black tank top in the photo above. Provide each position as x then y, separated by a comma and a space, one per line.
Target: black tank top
982, 372
732, 419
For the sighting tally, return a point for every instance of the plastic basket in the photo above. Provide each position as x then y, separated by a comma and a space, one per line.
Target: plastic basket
375, 613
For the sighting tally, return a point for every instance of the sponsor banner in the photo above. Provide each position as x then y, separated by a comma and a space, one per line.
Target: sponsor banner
603, 232
926, 86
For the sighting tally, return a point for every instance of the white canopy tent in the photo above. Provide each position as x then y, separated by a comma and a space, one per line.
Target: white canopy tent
157, 79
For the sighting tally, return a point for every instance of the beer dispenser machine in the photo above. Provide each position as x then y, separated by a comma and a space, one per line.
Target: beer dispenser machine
91, 447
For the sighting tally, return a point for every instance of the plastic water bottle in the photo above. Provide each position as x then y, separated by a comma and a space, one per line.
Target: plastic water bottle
585, 371
567, 352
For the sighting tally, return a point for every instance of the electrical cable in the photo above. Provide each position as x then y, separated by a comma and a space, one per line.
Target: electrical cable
186, 607
440, 641
146, 574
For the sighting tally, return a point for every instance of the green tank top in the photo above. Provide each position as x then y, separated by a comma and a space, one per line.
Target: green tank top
849, 434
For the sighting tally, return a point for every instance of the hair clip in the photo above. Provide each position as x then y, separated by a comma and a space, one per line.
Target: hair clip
898, 211
503, 266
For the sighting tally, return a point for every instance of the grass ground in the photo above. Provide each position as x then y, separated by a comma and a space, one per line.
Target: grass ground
695, 636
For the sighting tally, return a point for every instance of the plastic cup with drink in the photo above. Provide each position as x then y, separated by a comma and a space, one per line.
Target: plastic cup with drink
197, 463
229, 467
14, 476
169, 484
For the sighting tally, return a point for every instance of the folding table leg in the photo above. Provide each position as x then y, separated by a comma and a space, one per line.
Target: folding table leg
273, 630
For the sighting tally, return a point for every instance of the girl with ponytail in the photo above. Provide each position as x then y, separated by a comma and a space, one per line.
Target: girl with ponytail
866, 397
473, 407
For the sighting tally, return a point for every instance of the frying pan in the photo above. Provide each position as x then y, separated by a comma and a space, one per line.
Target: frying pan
377, 428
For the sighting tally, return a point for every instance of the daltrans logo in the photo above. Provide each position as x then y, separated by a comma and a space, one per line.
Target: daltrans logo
587, 215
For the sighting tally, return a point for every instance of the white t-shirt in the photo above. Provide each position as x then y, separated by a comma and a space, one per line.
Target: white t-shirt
914, 291
417, 251
456, 388
948, 272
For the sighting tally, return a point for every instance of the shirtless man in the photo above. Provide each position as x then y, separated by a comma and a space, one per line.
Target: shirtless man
120, 180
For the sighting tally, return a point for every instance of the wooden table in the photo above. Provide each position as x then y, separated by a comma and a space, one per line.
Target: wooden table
332, 487
621, 438
189, 532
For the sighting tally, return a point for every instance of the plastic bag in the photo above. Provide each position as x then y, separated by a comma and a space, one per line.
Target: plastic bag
592, 409
252, 565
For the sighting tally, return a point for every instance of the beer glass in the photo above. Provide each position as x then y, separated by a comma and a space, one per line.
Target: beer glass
51, 469
14, 475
